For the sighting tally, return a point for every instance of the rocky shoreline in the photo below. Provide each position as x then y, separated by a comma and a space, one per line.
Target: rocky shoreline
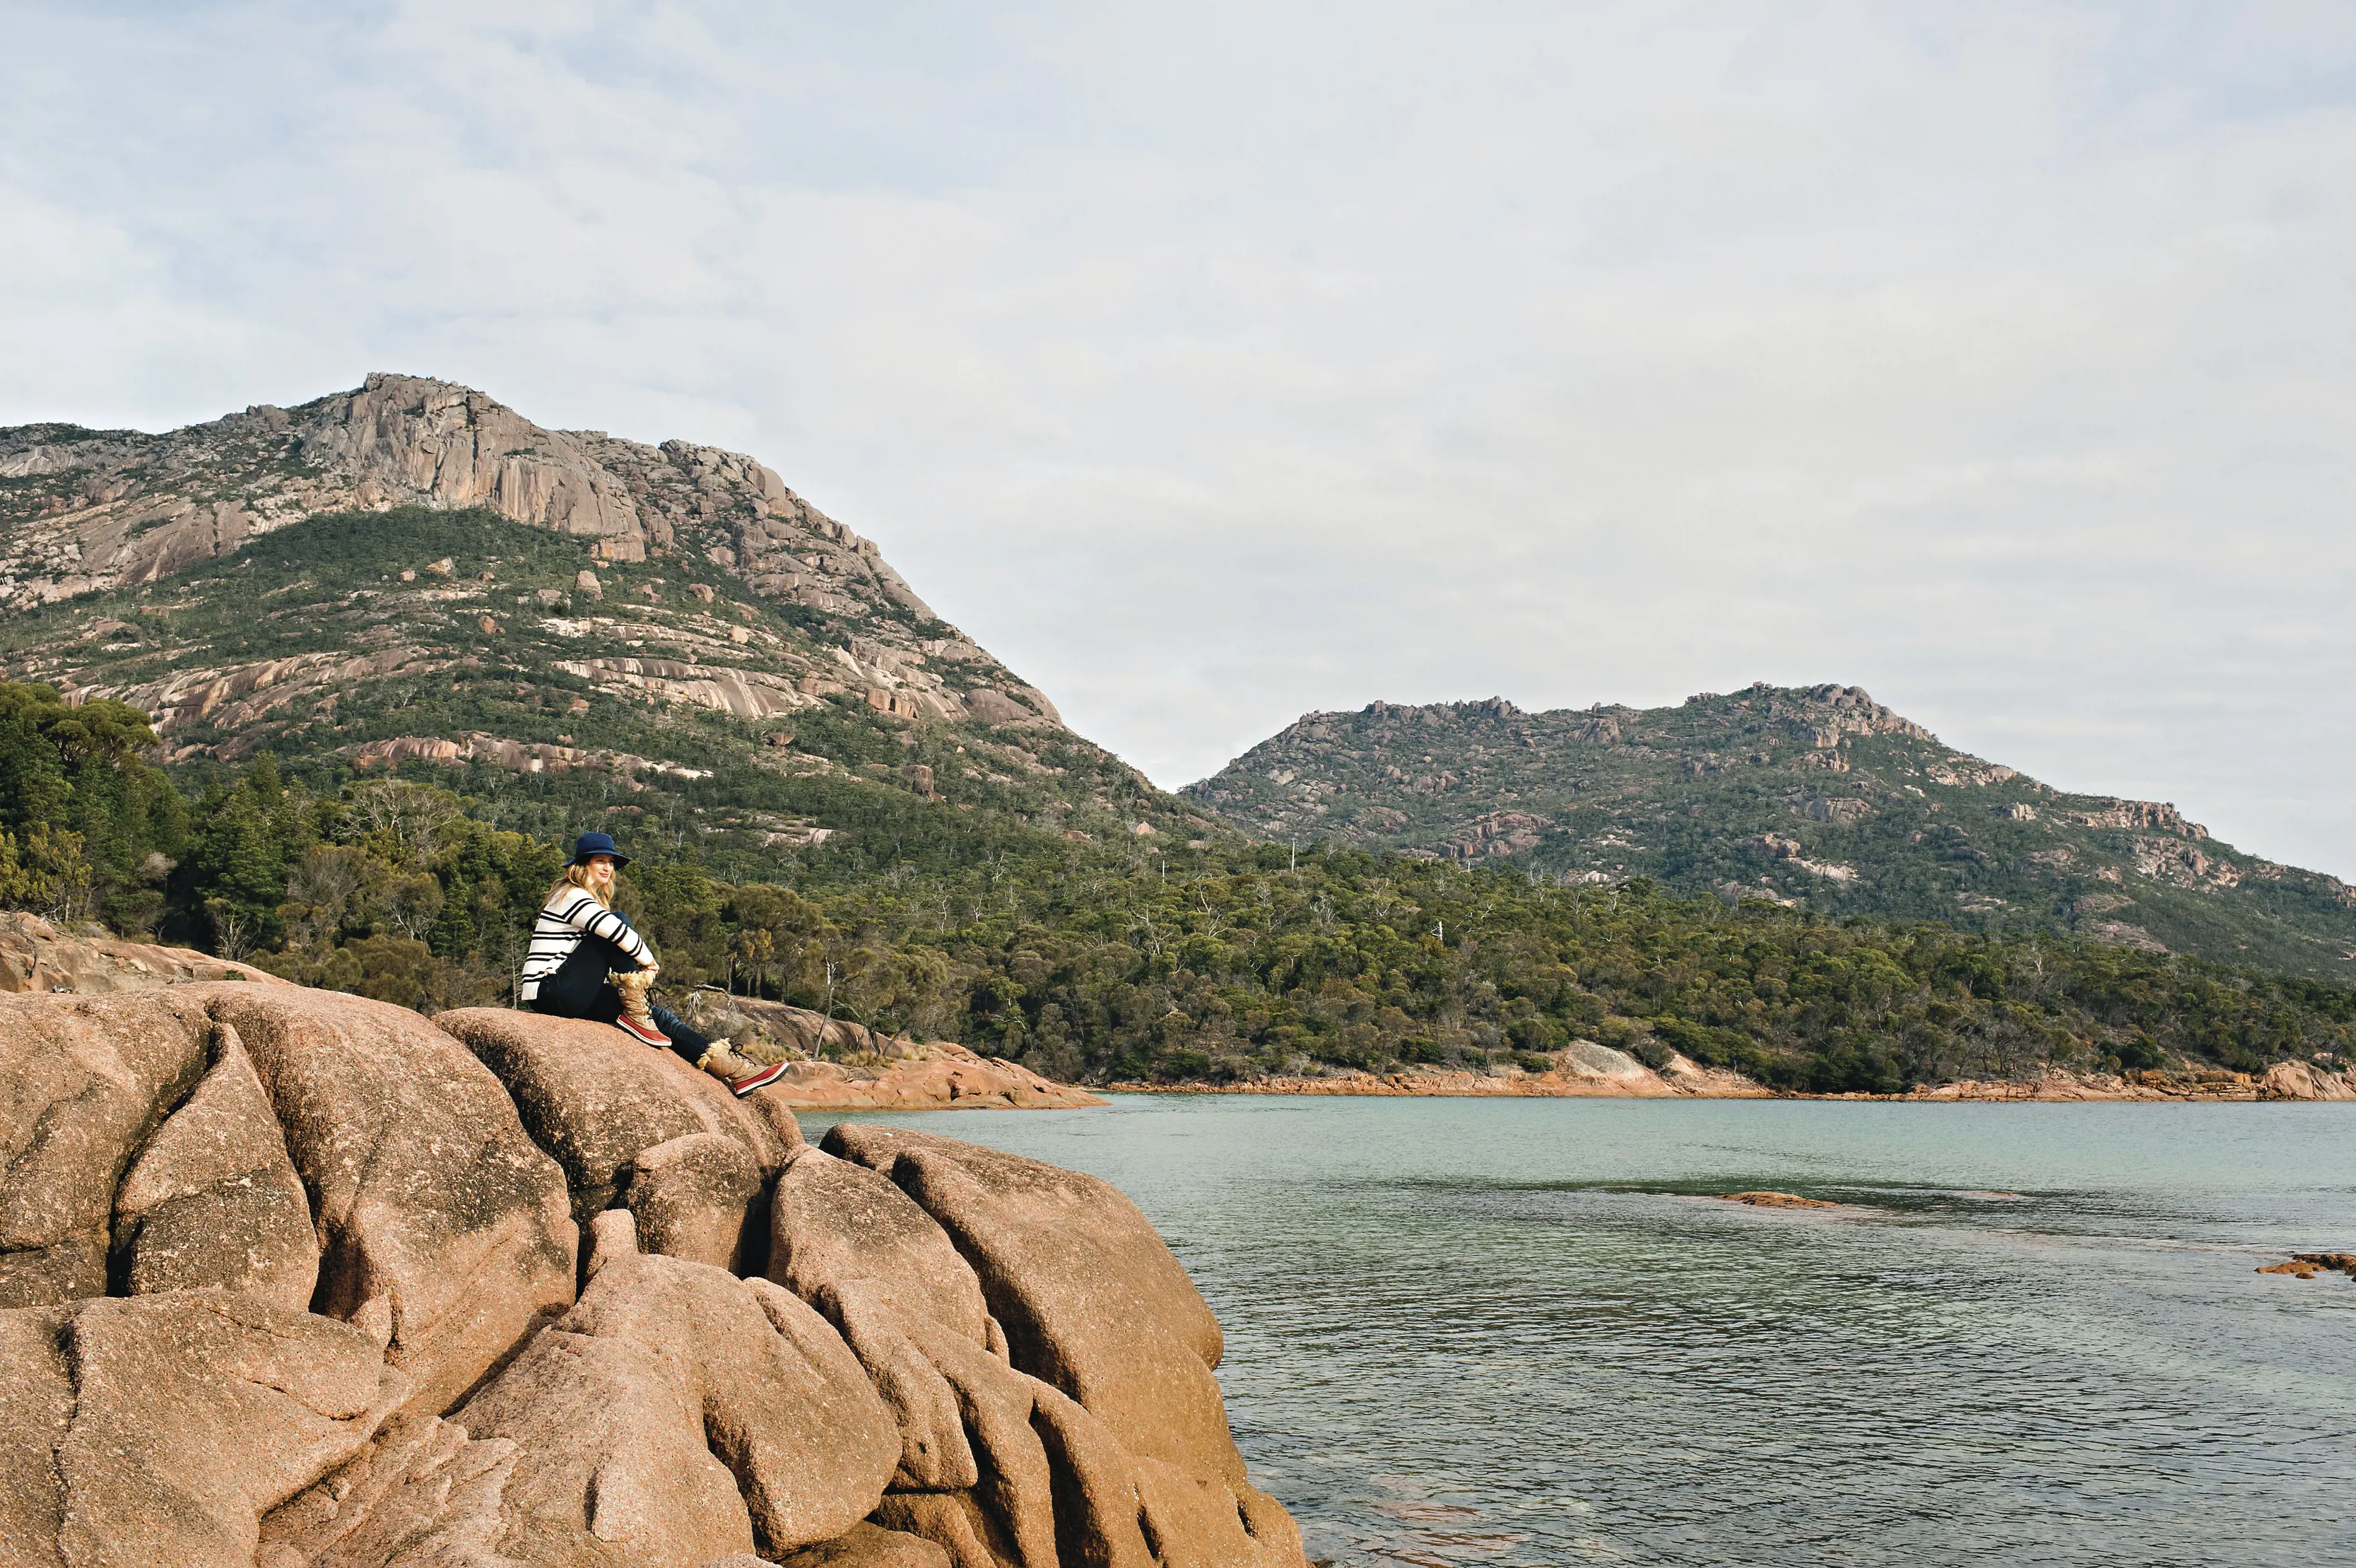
1582, 1071
1700, 1082
837, 1065
2283, 1080
2296, 1081
947, 1078
294, 1279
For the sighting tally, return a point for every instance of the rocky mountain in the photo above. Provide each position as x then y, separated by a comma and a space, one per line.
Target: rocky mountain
1815, 796
411, 573
98, 509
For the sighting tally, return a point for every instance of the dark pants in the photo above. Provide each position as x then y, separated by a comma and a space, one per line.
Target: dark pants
579, 990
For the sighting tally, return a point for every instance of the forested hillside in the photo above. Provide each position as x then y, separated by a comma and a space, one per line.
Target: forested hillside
412, 572
664, 701
330, 688
1094, 962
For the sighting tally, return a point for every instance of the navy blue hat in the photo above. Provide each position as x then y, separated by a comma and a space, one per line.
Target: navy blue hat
590, 844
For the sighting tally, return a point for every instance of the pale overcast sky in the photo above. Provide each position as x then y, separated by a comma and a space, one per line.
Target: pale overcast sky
1212, 363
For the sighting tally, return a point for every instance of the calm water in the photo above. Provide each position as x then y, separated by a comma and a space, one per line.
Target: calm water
1509, 1332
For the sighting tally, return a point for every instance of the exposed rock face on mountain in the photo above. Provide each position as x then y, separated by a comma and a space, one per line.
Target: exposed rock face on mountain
101, 509
1817, 796
412, 571
93, 510
120, 507
289, 1279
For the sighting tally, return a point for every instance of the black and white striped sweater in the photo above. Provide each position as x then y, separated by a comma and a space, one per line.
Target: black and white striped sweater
568, 916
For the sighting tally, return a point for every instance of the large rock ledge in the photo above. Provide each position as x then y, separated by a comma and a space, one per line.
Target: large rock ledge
868, 1071
36, 957
290, 1279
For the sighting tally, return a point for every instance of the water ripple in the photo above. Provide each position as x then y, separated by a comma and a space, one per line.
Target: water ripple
1492, 1334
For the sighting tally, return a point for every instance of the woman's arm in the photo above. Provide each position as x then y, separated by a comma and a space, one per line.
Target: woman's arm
589, 917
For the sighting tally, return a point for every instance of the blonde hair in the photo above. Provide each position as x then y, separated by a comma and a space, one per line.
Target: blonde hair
578, 877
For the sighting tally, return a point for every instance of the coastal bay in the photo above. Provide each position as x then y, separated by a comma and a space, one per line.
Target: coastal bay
1522, 1332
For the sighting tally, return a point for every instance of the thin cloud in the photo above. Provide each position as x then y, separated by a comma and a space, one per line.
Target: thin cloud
1218, 364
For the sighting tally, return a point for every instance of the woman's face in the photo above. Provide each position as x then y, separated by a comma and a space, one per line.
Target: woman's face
601, 870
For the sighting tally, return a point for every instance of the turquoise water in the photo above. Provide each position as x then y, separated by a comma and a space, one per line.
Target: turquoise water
1510, 1333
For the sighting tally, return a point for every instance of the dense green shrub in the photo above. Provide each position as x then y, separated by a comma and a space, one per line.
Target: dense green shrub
87, 828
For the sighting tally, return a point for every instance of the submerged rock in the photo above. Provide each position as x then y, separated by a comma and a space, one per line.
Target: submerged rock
1777, 1200
2306, 1266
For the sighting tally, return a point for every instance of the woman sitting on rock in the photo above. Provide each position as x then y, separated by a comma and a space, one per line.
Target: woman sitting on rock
588, 962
